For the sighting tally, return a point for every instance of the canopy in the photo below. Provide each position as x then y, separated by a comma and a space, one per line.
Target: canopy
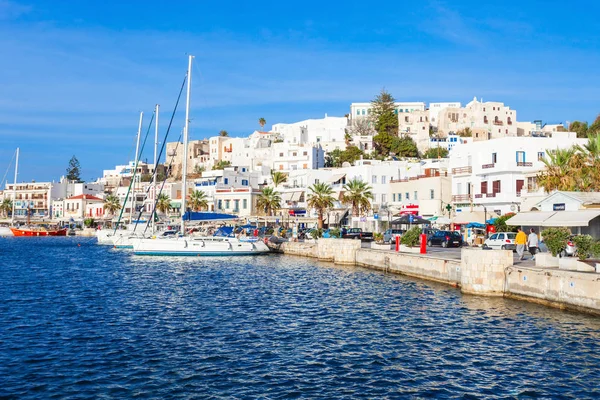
475, 225
410, 220
491, 220
205, 216
440, 220
224, 231
571, 218
465, 217
248, 226
296, 196
335, 178
530, 218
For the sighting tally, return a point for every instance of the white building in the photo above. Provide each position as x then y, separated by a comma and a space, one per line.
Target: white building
78, 207
487, 120
358, 110
435, 108
492, 175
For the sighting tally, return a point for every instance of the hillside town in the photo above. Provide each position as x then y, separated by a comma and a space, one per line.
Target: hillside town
446, 162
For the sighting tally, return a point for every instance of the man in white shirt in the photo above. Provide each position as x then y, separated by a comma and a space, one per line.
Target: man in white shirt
533, 243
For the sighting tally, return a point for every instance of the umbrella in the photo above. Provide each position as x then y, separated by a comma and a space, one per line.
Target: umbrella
410, 220
441, 220
475, 225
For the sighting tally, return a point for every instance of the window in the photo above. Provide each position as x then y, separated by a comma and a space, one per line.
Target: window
520, 184
407, 196
304, 166
399, 196
227, 202
245, 204
415, 197
236, 205
383, 179
244, 169
432, 194
494, 158
281, 167
220, 204
383, 198
394, 197
374, 179
244, 182
496, 187
280, 154
540, 155
305, 153
520, 156
226, 180
294, 154
484, 187
494, 236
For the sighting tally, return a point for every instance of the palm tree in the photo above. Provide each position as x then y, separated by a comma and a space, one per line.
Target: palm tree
268, 200
112, 204
223, 133
163, 203
320, 199
278, 178
358, 194
561, 170
6, 207
198, 200
262, 122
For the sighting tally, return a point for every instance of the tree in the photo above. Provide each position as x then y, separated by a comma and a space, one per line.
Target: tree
335, 158
436, 152
112, 204
466, 132
359, 195
268, 200
74, 170
199, 169
198, 200
404, 146
595, 127
6, 207
385, 120
581, 128
500, 224
320, 199
563, 170
361, 126
221, 164
146, 178
223, 133
163, 203
278, 178
262, 122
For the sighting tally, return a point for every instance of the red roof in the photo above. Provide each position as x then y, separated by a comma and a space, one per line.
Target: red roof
85, 197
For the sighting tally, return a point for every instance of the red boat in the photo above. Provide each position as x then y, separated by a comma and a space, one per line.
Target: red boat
39, 232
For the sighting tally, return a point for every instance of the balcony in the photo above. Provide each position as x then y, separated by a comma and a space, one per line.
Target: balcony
487, 166
461, 198
478, 196
462, 170
524, 164
499, 123
490, 195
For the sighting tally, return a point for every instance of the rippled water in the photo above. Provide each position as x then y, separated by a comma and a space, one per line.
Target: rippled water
89, 321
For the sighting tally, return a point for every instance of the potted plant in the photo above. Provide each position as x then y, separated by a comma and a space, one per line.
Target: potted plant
409, 242
556, 240
378, 242
583, 251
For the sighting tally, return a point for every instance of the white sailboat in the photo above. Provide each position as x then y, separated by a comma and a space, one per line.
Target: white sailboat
194, 245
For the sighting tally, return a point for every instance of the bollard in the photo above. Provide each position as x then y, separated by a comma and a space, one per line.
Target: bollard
423, 243
398, 243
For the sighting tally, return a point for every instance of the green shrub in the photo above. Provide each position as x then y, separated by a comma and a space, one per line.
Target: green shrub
335, 233
584, 245
556, 239
378, 237
501, 223
595, 249
411, 237
88, 222
316, 233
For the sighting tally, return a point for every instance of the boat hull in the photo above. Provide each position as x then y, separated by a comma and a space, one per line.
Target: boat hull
198, 247
35, 232
5, 231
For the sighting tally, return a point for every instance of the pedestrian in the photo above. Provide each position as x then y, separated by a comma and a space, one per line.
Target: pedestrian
520, 241
533, 243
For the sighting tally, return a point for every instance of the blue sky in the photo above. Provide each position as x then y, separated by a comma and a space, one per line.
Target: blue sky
75, 75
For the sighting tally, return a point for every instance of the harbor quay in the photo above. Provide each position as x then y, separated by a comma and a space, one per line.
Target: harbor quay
478, 272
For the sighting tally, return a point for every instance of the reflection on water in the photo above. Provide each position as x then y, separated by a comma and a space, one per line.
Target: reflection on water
92, 321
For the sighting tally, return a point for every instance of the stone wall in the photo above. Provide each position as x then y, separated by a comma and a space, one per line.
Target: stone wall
483, 271
558, 288
339, 251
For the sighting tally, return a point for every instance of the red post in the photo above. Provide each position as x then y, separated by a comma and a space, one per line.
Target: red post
423, 243
398, 243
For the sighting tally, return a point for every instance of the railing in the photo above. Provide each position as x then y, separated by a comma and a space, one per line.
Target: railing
478, 196
499, 123
399, 180
462, 170
524, 164
486, 166
490, 195
461, 197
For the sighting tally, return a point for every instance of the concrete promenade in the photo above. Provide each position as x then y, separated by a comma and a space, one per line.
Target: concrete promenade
478, 272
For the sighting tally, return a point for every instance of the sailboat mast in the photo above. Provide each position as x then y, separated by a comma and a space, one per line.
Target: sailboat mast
14, 200
185, 144
155, 160
137, 157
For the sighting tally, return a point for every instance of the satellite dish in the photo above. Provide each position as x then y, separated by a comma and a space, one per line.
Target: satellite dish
512, 207
346, 164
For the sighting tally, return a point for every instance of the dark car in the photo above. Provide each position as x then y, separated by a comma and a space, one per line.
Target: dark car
445, 239
357, 233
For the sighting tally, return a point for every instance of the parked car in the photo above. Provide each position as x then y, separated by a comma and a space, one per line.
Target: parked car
501, 241
569, 251
390, 235
445, 239
357, 233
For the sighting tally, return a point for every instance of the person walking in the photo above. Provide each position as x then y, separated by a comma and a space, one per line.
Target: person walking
533, 243
521, 241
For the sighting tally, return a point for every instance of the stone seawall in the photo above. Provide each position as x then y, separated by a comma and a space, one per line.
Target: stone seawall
487, 273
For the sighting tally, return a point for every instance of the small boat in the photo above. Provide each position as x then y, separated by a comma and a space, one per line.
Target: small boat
39, 231
5, 231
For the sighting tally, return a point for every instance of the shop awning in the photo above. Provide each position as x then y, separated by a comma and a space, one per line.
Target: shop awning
336, 178
287, 196
530, 218
296, 196
572, 218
